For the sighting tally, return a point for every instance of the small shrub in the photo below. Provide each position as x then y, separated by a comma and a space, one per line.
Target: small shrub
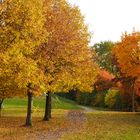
85, 98
112, 100
99, 100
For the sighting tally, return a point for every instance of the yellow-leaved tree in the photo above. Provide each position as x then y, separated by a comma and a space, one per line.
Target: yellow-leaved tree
21, 33
66, 57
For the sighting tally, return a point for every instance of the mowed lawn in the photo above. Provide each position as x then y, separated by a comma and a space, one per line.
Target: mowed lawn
18, 106
64, 125
108, 126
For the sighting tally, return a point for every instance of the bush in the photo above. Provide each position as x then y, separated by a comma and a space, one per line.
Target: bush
70, 95
113, 100
92, 99
85, 98
99, 100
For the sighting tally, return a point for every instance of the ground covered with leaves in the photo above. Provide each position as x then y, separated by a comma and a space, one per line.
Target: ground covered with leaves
74, 125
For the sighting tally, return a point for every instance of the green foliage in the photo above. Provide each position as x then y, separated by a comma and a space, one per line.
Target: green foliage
104, 54
85, 99
112, 99
70, 95
91, 99
99, 100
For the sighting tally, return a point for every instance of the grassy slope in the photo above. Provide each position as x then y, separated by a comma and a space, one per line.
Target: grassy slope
58, 103
18, 106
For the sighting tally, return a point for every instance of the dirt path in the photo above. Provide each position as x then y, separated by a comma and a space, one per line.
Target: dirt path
75, 120
87, 109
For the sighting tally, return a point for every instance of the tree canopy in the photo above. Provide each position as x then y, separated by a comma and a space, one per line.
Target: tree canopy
104, 55
21, 33
127, 53
66, 57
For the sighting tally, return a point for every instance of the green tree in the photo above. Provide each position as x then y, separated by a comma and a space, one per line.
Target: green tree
112, 99
104, 55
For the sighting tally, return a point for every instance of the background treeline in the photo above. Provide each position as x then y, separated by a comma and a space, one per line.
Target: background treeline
112, 89
110, 99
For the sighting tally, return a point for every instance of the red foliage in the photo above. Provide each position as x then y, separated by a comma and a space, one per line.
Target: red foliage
104, 80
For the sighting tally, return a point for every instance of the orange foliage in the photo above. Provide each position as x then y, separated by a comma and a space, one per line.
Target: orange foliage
106, 75
127, 53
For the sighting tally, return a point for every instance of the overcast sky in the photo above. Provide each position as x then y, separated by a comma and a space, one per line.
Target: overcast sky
108, 19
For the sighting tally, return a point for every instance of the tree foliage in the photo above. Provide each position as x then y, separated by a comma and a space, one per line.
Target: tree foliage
104, 55
66, 58
112, 99
127, 53
21, 33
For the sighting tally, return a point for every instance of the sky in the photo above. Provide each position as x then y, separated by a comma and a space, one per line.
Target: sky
108, 19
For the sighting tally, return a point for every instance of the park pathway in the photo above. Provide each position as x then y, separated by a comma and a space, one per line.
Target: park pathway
75, 120
87, 109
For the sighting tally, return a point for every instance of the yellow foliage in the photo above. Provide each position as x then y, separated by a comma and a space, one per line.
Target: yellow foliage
66, 56
21, 33
44, 45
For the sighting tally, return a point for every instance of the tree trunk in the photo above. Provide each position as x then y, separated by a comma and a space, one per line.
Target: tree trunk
133, 101
50, 105
46, 116
133, 96
29, 109
1, 102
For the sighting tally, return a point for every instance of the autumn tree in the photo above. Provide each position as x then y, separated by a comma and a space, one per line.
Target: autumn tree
127, 53
66, 58
21, 33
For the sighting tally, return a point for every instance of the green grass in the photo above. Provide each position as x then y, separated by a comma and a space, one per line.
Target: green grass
39, 102
108, 126
98, 125
100, 108
18, 106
